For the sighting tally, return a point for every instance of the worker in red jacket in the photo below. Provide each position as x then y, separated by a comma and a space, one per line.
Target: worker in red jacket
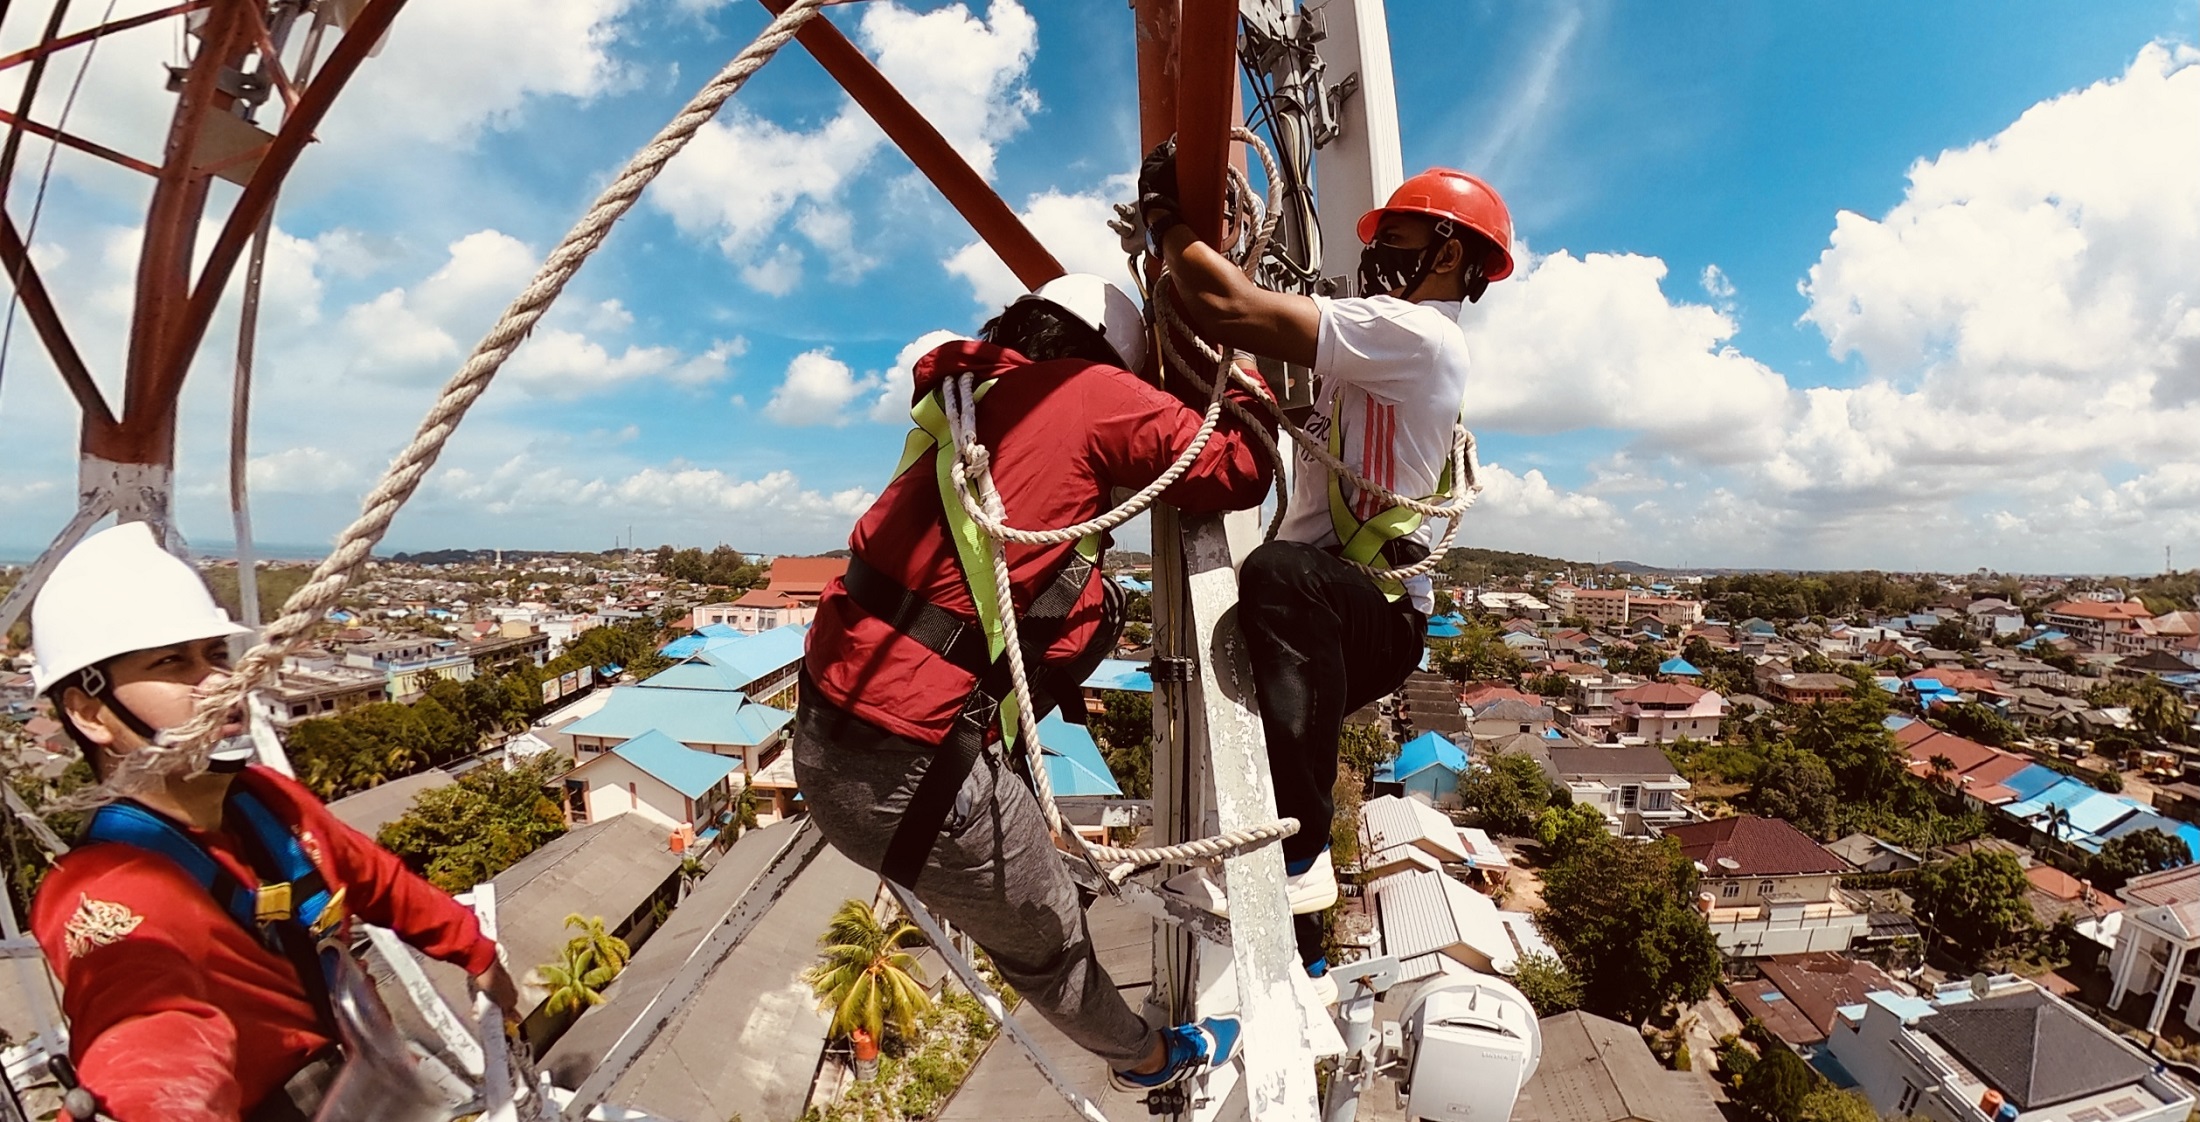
187, 931
905, 694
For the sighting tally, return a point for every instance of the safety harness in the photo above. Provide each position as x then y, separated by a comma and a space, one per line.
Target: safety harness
976, 646
1384, 541
290, 911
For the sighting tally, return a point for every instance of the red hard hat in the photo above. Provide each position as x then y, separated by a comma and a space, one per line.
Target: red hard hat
1444, 193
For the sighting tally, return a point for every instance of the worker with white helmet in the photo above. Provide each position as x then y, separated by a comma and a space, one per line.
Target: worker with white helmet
904, 693
199, 925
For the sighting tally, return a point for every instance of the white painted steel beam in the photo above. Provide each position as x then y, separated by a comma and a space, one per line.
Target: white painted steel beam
968, 975
1278, 1058
793, 857
458, 1041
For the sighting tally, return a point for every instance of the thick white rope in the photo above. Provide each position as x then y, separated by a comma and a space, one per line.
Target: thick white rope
185, 748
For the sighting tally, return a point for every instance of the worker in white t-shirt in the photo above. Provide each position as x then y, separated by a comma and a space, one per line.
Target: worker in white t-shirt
1391, 368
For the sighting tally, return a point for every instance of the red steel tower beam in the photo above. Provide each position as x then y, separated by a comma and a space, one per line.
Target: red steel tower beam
964, 188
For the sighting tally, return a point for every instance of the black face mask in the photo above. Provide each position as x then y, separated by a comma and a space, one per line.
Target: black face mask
1390, 268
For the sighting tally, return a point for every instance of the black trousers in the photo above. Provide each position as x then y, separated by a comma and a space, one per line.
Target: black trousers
1324, 641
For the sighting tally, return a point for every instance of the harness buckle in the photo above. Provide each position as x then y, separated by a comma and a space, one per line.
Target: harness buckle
271, 902
332, 913
981, 710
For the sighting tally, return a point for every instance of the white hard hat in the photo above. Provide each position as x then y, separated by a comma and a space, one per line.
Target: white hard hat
1103, 307
118, 591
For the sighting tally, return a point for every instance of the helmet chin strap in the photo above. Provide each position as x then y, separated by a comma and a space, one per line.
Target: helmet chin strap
230, 755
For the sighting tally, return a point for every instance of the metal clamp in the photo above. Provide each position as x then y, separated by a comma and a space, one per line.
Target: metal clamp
1170, 668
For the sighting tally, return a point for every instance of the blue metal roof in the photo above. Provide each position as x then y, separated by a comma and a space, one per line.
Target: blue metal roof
1430, 749
689, 716
2033, 780
1120, 674
1681, 666
2093, 812
1926, 685
1442, 628
1133, 584
676, 765
737, 661
1074, 763
1896, 722
697, 639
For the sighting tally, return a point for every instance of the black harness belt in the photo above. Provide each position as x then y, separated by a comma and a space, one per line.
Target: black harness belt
962, 642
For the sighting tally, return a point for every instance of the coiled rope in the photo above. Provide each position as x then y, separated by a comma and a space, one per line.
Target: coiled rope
185, 748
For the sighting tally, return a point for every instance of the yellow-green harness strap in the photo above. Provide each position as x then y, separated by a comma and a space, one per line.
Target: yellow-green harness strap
971, 546
1363, 542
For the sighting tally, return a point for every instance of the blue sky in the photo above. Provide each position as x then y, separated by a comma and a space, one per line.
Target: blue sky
1996, 362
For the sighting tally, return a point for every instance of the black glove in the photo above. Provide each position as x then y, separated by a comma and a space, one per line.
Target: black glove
1157, 205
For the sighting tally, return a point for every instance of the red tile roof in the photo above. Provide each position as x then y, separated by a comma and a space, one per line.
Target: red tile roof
2062, 886
1483, 693
805, 576
1759, 847
2106, 610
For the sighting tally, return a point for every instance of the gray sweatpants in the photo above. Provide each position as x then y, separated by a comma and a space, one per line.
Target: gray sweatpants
994, 873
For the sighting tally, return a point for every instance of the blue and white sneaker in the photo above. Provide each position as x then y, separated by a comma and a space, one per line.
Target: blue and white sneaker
1190, 1049
1325, 987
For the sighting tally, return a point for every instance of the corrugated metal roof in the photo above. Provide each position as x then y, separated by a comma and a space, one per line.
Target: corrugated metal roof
1423, 912
731, 664
607, 868
692, 717
676, 765
1391, 821
1598, 1070
1074, 763
376, 807
1120, 674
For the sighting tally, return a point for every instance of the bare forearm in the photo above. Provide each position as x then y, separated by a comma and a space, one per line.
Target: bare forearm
1228, 308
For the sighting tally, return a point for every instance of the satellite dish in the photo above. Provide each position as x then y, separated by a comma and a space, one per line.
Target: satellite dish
1982, 984
1729, 864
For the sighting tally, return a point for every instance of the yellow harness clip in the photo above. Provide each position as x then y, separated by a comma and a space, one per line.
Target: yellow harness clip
272, 903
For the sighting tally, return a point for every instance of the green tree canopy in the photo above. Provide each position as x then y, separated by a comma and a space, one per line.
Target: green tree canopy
1776, 1086
1509, 792
1477, 654
1798, 786
461, 835
1567, 830
1124, 731
1978, 903
1547, 984
1830, 1104
2138, 853
1977, 722
1622, 914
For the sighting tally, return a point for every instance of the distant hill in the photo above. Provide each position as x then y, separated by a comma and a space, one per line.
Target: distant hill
1468, 563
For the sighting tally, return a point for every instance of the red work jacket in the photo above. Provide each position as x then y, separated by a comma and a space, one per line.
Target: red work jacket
176, 1013
1063, 435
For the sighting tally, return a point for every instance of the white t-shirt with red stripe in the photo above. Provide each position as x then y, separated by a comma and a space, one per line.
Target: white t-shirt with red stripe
1394, 374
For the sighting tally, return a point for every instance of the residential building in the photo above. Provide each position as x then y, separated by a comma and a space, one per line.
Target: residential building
2056, 894
1799, 996
1613, 607
1632, 787
2099, 625
725, 722
656, 777
1999, 1050
2159, 932
315, 684
766, 665
1595, 1069
1804, 689
409, 665
1767, 889
1397, 834
747, 1042
1991, 617
621, 869
1867, 854
1665, 711
1426, 768
1509, 604
789, 596
507, 647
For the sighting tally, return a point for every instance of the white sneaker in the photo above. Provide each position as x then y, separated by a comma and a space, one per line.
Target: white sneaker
1325, 990
1314, 890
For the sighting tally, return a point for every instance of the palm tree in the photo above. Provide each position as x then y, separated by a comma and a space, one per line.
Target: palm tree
1943, 768
573, 983
596, 948
2058, 821
744, 812
2158, 710
865, 977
